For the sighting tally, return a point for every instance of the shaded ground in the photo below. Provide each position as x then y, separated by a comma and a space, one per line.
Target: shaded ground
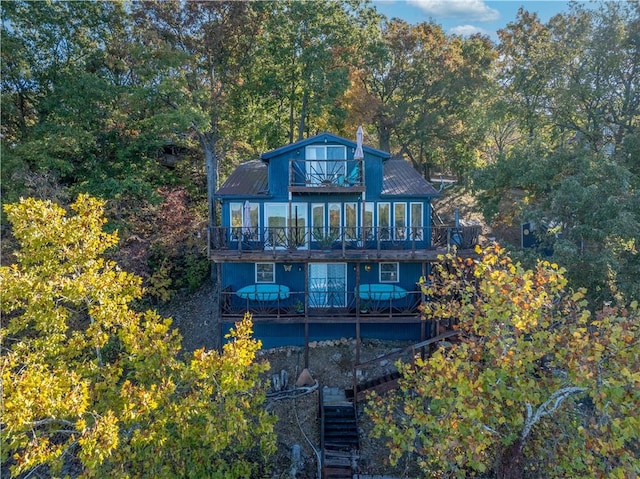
195, 316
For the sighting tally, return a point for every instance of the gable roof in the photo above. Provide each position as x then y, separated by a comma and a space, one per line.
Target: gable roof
321, 138
248, 179
401, 179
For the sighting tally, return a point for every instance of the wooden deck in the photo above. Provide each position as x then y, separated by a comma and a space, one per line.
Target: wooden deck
304, 245
292, 256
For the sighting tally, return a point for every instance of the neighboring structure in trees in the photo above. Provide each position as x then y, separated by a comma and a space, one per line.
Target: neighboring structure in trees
329, 235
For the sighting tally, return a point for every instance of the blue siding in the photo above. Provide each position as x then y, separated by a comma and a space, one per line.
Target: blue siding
279, 335
290, 274
238, 275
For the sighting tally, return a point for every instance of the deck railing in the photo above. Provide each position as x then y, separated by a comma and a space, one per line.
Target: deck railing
324, 173
301, 304
345, 238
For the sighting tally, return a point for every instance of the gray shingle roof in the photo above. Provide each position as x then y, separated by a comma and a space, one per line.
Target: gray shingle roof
401, 179
248, 179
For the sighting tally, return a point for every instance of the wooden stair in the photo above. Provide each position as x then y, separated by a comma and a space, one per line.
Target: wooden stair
338, 434
380, 385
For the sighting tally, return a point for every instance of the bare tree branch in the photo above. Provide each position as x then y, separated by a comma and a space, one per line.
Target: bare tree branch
546, 409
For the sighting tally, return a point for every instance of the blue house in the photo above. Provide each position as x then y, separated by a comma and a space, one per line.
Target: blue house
323, 239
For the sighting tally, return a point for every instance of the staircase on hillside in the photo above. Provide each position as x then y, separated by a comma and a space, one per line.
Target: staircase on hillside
338, 434
380, 385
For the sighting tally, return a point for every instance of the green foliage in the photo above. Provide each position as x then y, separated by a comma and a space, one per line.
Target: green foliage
564, 156
83, 374
76, 101
422, 90
532, 375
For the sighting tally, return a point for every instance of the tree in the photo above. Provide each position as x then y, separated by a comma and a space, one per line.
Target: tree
420, 91
302, 72
86, 376
534, 383
572, 115
210, 46
78, 101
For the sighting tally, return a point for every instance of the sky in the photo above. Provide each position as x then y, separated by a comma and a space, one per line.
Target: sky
465, 17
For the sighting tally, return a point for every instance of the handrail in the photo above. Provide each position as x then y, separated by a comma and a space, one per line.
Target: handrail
344, 238
321, 304
322, 173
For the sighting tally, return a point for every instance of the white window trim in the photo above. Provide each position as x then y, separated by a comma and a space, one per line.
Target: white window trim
397, 280
314, 227
258, 281
397, 228
389, 224
240, 206
341, 219
421, 233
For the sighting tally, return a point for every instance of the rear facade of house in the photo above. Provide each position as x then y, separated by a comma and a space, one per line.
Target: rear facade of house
320, 244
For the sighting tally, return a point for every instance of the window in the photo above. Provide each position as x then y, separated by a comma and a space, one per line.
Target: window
327, 285
400, 221
350, 221
389, 272
236, 219
244, 220
317, 221
335, 220
299, 225
265, 273
325, 163
416, 222
276, 218
368, 221
384, 221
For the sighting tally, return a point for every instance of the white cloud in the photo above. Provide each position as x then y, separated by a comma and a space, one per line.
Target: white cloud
474, 10
467, 30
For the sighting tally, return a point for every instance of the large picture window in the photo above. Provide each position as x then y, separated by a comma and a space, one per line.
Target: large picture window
335, 220
351, 221
276, 219
244, 220
367, 222
317, 221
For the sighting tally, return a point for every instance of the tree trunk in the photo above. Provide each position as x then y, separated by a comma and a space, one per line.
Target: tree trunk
303, 115
511, 463
384, 135
208, 142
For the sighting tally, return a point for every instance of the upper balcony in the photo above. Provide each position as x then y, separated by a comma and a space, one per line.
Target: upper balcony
349, 243
326, 176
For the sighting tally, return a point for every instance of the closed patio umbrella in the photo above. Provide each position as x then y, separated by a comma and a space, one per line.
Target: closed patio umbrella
359, 153
246, 219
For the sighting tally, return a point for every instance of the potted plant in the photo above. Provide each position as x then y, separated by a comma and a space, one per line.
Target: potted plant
364, 307
298, 307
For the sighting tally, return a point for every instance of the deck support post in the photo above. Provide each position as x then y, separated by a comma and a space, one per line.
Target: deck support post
217, 290
306, 314
358, 339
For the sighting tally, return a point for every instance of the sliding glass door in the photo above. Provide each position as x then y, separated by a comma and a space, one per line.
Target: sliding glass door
327, 285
